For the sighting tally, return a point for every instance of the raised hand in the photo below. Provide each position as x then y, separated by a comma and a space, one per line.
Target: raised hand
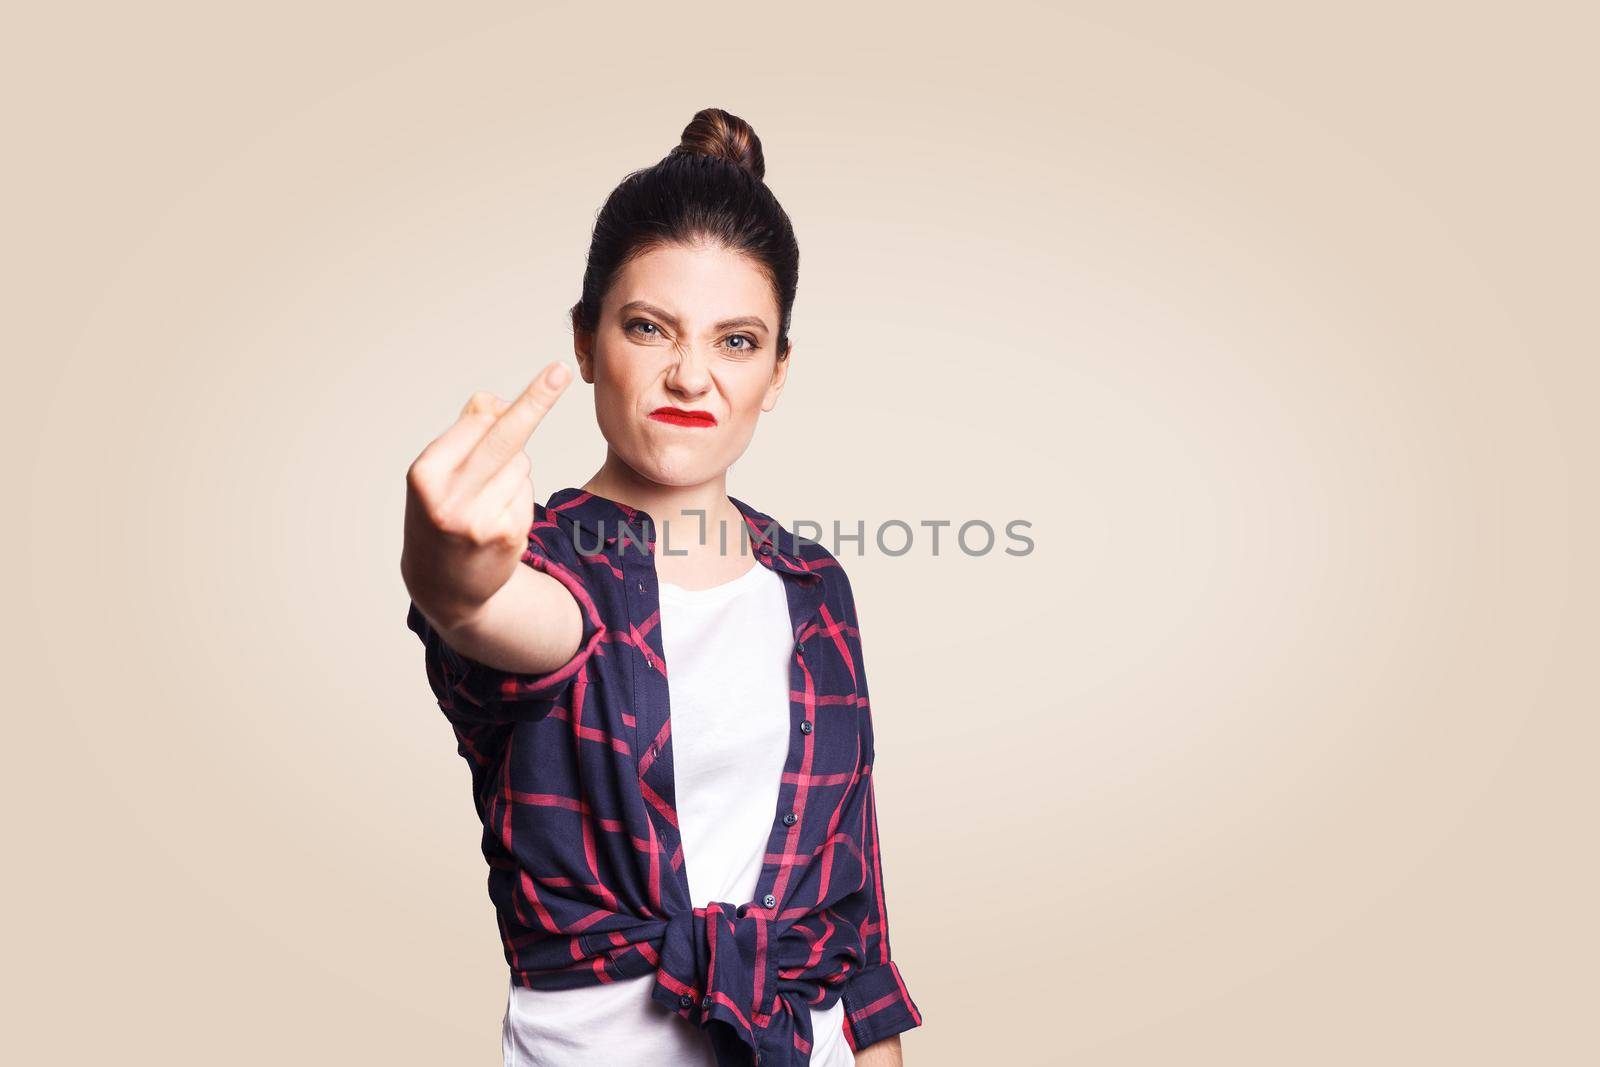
469, 499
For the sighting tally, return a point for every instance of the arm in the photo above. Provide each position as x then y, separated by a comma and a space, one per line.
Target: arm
513, 656
502, 641
533, 624
885, 1053
878, 1007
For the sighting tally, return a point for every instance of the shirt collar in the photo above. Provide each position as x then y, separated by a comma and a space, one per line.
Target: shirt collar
601, 520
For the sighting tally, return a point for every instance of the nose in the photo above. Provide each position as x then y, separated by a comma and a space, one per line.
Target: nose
689, 376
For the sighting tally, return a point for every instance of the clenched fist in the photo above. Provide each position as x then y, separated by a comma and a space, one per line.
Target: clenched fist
469, 499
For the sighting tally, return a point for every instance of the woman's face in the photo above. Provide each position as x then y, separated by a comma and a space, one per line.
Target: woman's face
688, 328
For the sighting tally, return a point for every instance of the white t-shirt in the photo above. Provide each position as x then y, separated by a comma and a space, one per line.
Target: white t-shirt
728, 652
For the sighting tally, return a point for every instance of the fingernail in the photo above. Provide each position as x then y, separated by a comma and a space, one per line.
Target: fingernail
557, 374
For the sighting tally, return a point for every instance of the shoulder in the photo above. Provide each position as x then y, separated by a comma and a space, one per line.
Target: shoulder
807, 554
558, 546
552, 535
835, 578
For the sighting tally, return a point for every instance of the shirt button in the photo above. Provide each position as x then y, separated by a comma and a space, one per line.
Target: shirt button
705, 1001
805, 726
686, 1001
641, 587
801, 647
788, 818
769, 901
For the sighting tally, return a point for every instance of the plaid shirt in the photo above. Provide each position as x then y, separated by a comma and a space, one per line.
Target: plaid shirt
572, 777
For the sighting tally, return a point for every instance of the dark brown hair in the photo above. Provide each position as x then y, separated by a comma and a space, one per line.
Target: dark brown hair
710, 187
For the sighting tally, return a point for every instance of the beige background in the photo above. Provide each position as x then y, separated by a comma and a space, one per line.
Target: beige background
1277, 327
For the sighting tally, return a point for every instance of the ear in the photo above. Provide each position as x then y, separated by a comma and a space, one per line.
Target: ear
780, 375
583, 349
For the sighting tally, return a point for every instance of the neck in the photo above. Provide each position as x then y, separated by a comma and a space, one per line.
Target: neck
685, 514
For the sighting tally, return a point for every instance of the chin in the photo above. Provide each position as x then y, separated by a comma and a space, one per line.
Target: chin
685, 476
675, 469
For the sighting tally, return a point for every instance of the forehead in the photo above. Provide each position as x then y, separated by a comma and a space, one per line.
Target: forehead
703, 283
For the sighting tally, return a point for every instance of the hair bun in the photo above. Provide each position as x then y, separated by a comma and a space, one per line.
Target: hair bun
714, 132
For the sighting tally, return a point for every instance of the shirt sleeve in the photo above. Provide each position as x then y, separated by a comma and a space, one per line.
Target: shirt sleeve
877, 1003
469, 691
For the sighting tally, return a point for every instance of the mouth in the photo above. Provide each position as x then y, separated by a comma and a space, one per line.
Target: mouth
681, 417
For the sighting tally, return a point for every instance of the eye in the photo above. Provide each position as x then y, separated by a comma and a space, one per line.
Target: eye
749, 345
643, 322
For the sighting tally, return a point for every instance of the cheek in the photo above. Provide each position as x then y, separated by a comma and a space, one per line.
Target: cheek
750, 398
617, 385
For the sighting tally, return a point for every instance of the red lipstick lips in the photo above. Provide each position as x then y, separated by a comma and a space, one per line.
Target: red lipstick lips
681, 417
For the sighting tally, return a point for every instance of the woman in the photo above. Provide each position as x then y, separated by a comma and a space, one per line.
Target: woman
659, 690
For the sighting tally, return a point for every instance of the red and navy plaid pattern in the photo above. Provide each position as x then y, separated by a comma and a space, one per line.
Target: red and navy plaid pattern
572, 777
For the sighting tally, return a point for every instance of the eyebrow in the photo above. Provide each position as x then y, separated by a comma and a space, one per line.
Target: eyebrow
747, 321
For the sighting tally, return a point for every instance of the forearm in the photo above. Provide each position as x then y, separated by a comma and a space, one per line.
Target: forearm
530, 626
885, 1053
